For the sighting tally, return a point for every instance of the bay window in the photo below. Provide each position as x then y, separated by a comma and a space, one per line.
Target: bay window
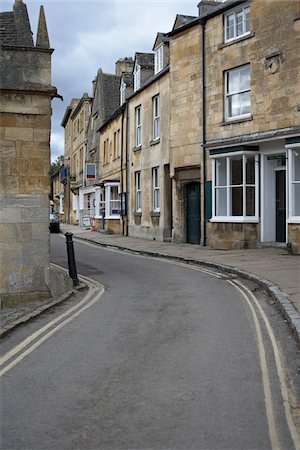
112, 200
294, 184
235, 187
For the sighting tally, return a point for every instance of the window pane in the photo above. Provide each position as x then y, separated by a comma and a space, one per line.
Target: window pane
237, 201
245, 103
296, 199
244, 78
247, 19
250, 170
250, 201
233, 82
239, 23
237, 171
221, 172
230, 26
221, 202
296, 160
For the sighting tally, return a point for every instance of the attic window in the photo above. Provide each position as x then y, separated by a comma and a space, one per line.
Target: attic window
237, 23
137, 77
158, 59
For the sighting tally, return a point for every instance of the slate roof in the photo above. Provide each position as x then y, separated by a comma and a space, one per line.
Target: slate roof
128, 79
182, 20
111, 91
8, 30
15, 27
145, 60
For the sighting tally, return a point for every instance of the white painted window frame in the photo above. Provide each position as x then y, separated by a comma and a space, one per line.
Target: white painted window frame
138, 126
156, 117
109, 201
122, 92
158, 58
138, 191
228, 94
137, 77
229, 217
292, 149
241, 9
155, 189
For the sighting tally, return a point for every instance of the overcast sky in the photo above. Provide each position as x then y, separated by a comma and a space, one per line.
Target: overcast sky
95, 34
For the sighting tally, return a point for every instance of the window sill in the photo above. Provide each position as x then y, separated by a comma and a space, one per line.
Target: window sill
237, 219
155, 214
238, 120
112, 217
154, 142
137, 214
294, 219
235, 41
137, 149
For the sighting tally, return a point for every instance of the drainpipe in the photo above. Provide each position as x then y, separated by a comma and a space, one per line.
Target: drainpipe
203, 22
84, 159
121, 171
127, 165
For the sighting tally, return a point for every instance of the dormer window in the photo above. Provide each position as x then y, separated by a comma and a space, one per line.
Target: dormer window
237, 23
122, 92
137, 77
158, 59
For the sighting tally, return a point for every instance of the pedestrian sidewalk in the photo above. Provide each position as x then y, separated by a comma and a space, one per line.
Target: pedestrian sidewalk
274, 268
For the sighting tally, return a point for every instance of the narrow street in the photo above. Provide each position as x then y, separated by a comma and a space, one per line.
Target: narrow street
167, 356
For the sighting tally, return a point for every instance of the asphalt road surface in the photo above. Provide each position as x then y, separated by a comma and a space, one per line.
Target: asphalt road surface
166, 356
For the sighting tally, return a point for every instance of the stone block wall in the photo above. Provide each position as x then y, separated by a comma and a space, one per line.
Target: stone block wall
24, 198
294, 237
233, 236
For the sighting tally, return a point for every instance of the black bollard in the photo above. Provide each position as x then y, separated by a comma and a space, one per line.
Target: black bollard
71, 258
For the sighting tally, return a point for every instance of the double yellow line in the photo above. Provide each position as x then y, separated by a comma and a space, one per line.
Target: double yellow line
25, 348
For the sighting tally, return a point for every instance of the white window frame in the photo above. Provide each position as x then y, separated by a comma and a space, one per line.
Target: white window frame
138, 126
111, 203
138, 191
155, 189
137, 77
122, 92
239, 91
228, 187
156, 117
158, 59
240, 11
293, 152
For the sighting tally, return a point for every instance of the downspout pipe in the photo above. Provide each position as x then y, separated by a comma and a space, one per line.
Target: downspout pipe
127, 165
203, 23
121, 170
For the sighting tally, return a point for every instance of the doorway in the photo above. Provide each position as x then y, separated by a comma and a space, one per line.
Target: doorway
280, 215
193, 213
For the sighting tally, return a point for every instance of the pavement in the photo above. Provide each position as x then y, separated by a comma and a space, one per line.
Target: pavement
273, 268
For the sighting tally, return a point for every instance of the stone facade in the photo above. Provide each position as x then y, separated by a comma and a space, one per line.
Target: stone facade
185, 122
25, 108
151, 153
273, 61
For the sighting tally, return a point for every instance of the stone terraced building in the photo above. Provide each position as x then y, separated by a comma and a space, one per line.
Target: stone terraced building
210, 125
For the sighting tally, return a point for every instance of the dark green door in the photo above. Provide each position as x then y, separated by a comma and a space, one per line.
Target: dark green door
280, 206
193, 213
